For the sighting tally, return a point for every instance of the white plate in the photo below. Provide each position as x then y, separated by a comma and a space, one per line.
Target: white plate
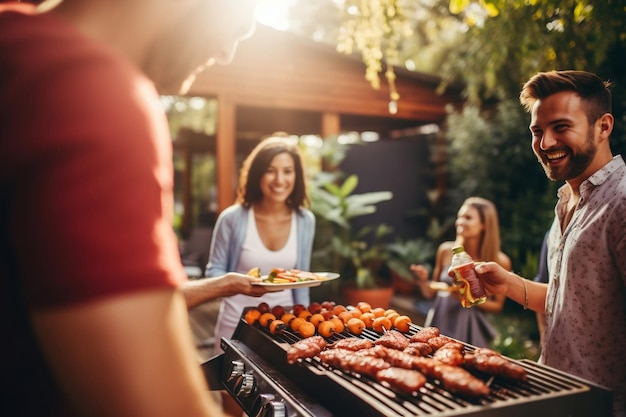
270, 286
440, 286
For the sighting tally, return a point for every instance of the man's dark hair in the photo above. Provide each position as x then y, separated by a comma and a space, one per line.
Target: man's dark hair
593, 91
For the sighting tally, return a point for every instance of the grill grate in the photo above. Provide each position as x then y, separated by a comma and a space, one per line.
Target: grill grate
546, 390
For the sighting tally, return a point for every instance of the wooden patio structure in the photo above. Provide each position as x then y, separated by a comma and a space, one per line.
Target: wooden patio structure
282, 82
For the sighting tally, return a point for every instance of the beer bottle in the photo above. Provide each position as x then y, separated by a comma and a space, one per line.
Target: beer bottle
470, 287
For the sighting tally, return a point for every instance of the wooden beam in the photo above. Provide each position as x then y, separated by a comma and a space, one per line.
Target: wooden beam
226, 151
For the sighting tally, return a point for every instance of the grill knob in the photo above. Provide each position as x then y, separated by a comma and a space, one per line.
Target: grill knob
245, 385
272, 409
236, 369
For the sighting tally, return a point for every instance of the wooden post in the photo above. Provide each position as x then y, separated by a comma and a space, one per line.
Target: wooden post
226, 152
331, 124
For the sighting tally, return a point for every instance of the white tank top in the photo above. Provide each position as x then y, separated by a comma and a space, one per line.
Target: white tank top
255, 254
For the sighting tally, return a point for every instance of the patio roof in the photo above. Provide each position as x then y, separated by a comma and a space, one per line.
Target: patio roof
279, 81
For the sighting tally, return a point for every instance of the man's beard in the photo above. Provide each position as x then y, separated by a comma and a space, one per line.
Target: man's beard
578, 163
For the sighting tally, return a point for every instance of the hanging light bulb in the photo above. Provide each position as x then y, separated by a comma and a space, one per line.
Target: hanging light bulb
393, 107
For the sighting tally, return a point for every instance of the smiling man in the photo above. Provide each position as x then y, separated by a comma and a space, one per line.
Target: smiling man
92, 318
585, 300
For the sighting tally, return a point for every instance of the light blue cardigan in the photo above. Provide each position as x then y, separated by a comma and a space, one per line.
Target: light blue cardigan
229, 234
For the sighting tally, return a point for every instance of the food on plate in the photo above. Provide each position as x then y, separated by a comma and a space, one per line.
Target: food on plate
286, 276
440, 286
254, 272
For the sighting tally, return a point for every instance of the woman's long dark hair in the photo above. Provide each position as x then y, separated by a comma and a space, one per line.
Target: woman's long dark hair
255, 165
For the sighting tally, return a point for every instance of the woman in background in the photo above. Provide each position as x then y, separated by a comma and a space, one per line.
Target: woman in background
268, 227
477, 229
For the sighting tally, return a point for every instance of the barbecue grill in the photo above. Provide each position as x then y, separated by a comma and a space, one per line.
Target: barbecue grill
254, 370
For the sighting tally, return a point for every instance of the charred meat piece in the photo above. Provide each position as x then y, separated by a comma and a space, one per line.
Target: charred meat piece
453, 378
305, 348
418, 349
348, 361
450, 354
352, 343
395, 357
400, 379
393, 339
493, 363
336, 357
438, 341
460, 381
425, 334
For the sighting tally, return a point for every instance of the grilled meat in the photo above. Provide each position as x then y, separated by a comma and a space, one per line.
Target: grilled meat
453, 378
450, 354
460, 381
425, 334
401, 379
352, 343
305, 348
348, 361
438, 341
493, 363
395, 357
393, 339
418, 349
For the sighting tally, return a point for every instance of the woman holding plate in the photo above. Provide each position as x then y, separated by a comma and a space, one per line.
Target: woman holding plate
269, 227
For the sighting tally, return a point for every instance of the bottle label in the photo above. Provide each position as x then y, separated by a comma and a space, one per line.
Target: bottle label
470, 287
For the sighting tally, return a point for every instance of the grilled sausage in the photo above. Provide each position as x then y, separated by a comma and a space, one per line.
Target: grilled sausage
305, 348
400, 379
352, 343
493, 363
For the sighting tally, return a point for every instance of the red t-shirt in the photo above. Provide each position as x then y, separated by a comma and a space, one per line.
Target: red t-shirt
85, 189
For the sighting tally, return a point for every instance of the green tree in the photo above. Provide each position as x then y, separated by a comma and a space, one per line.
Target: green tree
492, 47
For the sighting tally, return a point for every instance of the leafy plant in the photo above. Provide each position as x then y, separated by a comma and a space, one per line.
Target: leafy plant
338, 246
403, 253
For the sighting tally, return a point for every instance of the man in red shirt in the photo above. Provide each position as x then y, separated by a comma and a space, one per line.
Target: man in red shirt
91, 316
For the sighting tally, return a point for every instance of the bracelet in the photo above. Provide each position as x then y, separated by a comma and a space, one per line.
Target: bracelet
525, 294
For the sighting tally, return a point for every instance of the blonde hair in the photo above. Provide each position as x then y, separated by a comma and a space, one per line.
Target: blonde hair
490, 240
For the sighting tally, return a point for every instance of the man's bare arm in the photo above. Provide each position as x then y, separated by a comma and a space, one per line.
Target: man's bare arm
127, 356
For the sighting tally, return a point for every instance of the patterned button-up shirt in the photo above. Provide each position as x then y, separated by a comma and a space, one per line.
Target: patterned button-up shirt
586, 300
